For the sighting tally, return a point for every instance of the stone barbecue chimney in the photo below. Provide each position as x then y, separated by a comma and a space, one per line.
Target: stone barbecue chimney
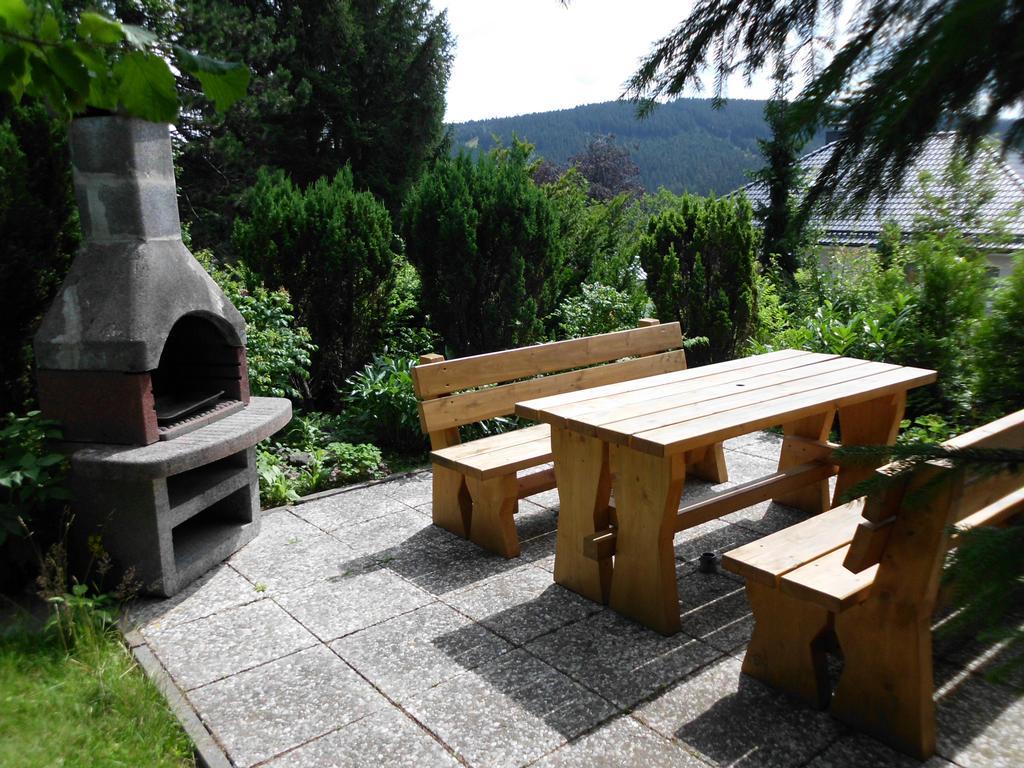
140, 343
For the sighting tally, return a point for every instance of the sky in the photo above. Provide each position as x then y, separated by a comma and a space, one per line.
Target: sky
514, 58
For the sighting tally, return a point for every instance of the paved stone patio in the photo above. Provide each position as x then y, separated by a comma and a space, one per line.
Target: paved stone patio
351, 632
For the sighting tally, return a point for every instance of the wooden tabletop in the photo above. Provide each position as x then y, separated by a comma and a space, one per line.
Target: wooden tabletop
673, 412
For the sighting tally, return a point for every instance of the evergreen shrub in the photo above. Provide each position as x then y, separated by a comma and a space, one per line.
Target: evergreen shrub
331, 247
485, 240
1000, 348
700, 256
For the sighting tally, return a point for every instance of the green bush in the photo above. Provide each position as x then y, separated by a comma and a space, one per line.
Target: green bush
380, 404
597, 309
1000, 348
485, 241
700, 256
277, 350
32, 474
331, 247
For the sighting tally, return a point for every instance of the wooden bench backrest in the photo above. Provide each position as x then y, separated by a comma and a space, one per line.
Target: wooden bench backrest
906, 530
445, 405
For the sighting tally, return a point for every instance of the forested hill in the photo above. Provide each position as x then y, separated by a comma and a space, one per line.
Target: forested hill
686, 145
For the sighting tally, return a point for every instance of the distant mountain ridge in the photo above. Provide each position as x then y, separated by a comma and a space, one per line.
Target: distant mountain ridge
685, 146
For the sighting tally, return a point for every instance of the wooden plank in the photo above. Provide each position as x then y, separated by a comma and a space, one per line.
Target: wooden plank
825, 582
450, 376
601, 545
639, 402
536, 482
995, 514
495, 463
869, 541
470, 407
768, 558
539, 409
787, 407
494, 442
721, 400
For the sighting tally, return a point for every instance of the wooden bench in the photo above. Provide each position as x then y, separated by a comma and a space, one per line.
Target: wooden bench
866, 575
477, 484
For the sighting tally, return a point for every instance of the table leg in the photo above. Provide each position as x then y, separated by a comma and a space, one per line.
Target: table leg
876, 422
813, 498
647, 493
708, 464
584, 489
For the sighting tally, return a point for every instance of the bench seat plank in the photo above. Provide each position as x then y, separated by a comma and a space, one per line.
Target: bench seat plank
768, 559
499, 454
828, 583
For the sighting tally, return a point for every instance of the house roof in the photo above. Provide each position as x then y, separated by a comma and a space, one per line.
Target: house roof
904, 206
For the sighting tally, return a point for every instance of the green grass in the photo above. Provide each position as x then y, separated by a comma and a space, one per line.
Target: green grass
91, 706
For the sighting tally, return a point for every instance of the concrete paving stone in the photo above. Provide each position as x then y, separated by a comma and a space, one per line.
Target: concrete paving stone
386, 739
264, 711
766, 517
446, 563
621, 743
382, 535
345, 604
743, 467
720, 538
978, 722
522, 604
859, 751
418, 650
215, 591
715, 609
734, 720
208, 649
534, 520
620, 659
547, 498
349, 507
765, 445
289, 555
509, 711
414, 489
540, 551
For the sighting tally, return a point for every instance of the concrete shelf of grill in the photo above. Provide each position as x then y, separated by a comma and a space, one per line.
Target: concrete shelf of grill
176, 508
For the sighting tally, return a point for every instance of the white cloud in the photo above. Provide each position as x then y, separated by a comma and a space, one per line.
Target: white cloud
514, 58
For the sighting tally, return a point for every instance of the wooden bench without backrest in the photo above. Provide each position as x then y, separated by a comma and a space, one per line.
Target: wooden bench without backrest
866, 574
476, 484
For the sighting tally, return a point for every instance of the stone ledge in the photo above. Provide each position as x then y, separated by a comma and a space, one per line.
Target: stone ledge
263, 417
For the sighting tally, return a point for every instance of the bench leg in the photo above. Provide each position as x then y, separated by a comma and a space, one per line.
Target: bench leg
584, 490
876, 422
708, 464
494, 505
451, 508
887, 686
647, 492
787, 649
814, 498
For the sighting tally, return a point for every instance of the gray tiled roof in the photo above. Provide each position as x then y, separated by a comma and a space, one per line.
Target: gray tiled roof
903, 206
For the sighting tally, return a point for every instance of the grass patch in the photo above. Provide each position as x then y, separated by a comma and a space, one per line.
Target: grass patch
90, 705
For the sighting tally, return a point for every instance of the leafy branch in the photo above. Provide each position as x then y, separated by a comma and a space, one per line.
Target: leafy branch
103, 64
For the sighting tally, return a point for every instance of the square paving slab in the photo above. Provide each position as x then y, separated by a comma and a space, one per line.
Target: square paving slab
352, 632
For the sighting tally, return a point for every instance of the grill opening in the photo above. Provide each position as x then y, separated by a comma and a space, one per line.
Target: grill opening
199, 373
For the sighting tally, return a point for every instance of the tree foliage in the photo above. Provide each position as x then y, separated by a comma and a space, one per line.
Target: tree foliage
98, 62
38, 234
905, 69
608, 168
330, 246
360, 82
485, 240
1000, 348
700, 259
783, 223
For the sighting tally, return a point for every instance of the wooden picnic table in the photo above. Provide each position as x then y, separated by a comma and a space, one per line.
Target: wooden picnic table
631, 441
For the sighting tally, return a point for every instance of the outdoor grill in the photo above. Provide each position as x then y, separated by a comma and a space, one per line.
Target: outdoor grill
141, 358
